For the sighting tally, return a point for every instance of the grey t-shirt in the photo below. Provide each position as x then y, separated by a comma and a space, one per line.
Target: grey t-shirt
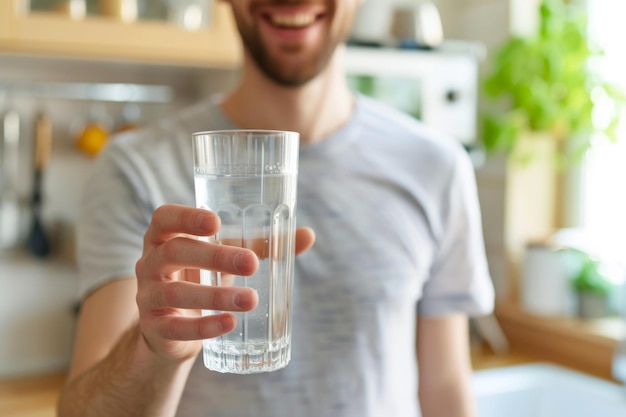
394, 208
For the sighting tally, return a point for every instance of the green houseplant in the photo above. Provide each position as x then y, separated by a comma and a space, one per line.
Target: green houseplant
547, 83
592, 289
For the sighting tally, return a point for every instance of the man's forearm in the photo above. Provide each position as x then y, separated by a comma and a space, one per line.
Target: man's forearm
445, 368
453, 401
130, 381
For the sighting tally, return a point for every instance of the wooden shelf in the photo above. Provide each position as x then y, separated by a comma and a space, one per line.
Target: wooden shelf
101, 38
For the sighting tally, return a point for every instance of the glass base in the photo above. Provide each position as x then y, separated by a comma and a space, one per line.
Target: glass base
245, 358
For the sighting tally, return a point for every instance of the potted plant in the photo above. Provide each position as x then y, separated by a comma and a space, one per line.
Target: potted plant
547, 84
592, 288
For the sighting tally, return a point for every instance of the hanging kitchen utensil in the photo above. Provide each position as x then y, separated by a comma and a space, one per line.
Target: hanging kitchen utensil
38, 242
9, 197
94, 131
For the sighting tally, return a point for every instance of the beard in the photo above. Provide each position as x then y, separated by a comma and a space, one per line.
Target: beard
288, 74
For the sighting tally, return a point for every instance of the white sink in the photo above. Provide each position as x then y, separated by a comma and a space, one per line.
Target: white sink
546, 390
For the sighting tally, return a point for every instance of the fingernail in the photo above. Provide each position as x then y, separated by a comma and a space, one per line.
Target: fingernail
237, 300
241, 301
240, 262
199, 221
225, 323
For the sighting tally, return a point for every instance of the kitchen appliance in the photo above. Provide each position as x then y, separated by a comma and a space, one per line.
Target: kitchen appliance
417, 26
413, 24
438, 87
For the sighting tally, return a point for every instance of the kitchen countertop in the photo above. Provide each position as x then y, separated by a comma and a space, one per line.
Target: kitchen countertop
36, 396
585, 345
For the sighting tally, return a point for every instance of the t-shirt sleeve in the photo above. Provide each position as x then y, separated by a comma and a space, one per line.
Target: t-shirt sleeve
459, 278
111, 223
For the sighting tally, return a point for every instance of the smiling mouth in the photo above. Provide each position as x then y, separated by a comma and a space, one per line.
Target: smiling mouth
292, 20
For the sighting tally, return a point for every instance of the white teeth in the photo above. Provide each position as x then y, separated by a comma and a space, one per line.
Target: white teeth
293, 20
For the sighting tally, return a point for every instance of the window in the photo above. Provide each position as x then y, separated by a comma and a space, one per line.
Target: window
604, 201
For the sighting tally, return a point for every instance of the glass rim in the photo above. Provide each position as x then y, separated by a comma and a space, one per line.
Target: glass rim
266, 132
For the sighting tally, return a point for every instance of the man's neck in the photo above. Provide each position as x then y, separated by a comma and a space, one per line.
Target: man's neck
315, 109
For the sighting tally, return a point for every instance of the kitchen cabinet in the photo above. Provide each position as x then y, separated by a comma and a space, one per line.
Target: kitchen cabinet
104, 38
5, 21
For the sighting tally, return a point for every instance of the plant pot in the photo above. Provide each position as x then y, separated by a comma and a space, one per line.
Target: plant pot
592, 305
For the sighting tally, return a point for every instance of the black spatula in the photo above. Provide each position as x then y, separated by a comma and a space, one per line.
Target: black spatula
38, 242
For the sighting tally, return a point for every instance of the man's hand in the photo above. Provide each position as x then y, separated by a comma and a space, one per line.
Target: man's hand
169, 295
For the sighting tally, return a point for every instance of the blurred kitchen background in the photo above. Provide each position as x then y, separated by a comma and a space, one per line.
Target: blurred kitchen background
519, 82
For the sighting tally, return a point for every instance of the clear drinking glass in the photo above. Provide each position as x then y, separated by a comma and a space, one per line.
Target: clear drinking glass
249, 178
